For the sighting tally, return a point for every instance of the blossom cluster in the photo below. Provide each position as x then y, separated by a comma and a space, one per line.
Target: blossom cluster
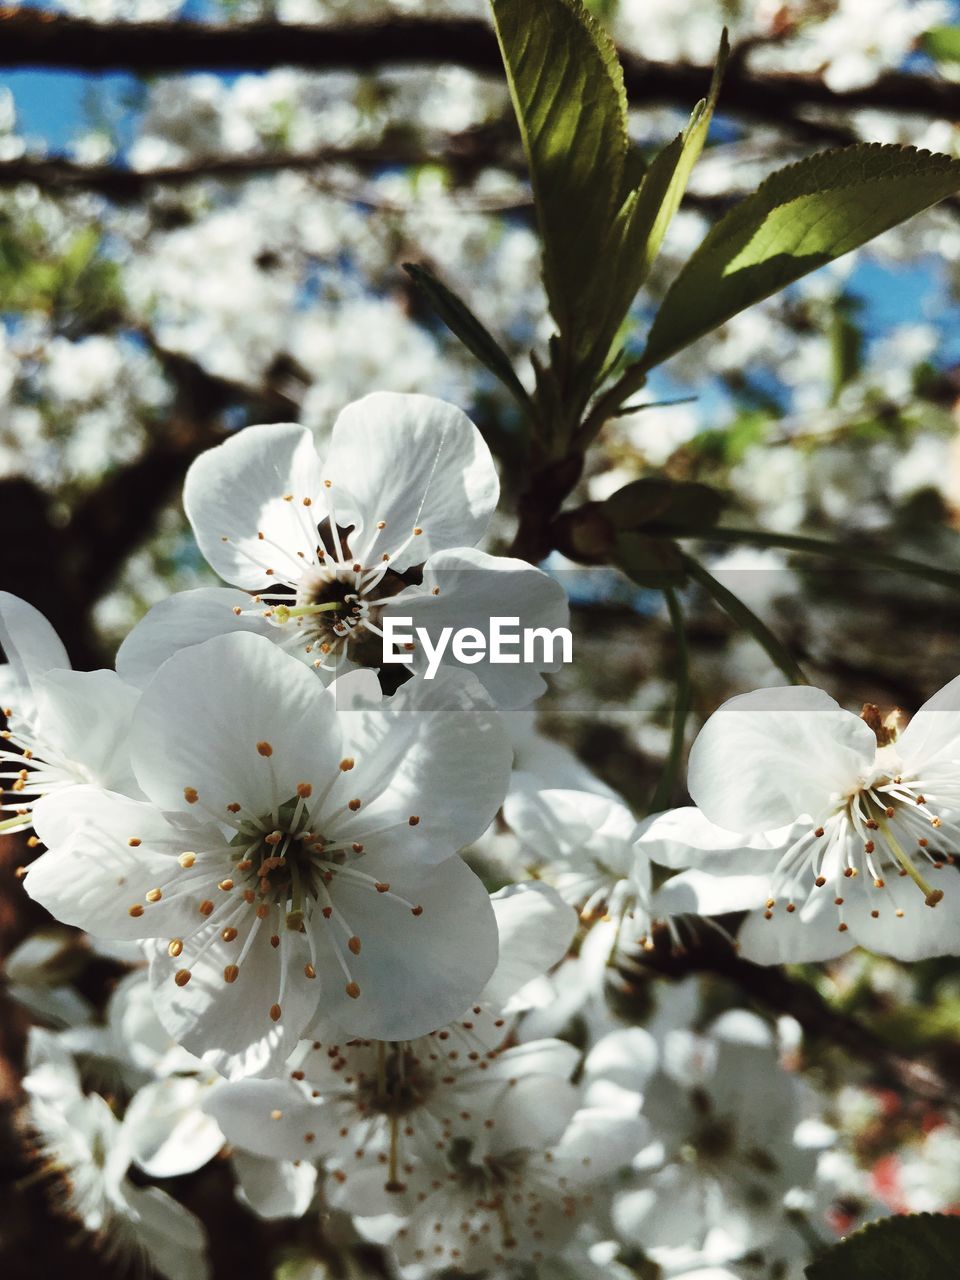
372, 924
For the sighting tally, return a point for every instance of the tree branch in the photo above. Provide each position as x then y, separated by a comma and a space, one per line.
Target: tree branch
40, 39
776, 992
463, 153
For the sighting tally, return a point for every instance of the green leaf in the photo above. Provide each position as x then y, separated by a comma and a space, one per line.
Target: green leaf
474, 335
669, 174
800, 218
567, 89
921, 1246
656, 503
942, 44
641, 223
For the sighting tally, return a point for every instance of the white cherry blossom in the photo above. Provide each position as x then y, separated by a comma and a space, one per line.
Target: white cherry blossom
63, 727
385, 523
292, 857
376, 1113
727, 1146
515, 1202
81, 1142
861, 824
587, 846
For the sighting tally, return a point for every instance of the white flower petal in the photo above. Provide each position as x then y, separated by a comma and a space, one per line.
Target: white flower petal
686, 838
167, 1132
86, 716
236, 491
211, 713
136, 1033
921, 931
231, 1025
173, 1240
769, 757
536, 1110
274, 1188
561, 825
536, 928
542, 763
30, 644
702, 893
468, 588
413, 462
184, 619
415, 973
267, 1118
91, 876
598, 1142
436, 751
801, 937
669, 1214
627, 1057
933, 733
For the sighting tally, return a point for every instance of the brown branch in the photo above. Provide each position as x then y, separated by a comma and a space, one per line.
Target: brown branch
466, 154
39, 39
774, 991
462, 156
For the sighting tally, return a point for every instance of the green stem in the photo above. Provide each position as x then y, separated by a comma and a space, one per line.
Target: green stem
681, 708
824, 547
629, 383
11, 824
734, 607
283, 613
295, 914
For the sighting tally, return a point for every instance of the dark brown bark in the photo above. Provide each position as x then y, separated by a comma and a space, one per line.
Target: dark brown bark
33, 38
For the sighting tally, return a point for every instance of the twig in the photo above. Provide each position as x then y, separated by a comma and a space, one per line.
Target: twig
30, 37
776, 992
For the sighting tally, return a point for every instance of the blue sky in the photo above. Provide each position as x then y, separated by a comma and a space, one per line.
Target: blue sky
50, 104
53, 106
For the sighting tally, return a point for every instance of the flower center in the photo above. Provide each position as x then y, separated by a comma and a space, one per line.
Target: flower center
887, 826
326, 594
29, 769
285, 871
402, 1082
